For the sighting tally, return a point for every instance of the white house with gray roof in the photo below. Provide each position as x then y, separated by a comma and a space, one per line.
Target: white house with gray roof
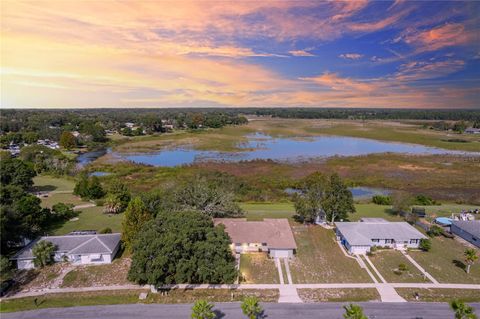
359, 237
77, 249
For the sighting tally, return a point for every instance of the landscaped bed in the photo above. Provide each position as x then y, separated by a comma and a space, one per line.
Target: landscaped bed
440, 295
257, 268
445, 262
132, 296
319, 259
339, 295
388, 264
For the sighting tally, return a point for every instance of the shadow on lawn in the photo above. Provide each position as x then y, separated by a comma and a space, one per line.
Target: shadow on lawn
43, 188
460, 264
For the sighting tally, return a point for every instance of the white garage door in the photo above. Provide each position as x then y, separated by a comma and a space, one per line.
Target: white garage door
281, 253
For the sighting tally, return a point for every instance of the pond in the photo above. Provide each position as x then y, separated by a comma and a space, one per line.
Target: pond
260, 146
358, 192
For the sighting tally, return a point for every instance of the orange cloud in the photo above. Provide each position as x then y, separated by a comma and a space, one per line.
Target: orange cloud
301, 53
443, 36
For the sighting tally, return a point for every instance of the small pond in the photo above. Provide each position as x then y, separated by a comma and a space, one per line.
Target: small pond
358, 192
261, 146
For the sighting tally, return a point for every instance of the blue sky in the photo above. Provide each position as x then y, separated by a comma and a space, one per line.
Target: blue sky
392, 54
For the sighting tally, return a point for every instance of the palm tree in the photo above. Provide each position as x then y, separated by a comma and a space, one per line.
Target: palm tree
353, 312
202, 309
43, 253
251, 307
470, 257
462, 310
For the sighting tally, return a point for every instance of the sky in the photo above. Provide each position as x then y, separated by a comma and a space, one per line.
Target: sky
379, 54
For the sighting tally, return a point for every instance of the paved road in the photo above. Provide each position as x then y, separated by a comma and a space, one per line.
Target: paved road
232, 311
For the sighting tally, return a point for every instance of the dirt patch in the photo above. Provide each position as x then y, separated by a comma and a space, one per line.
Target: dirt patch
410, 167
39, 278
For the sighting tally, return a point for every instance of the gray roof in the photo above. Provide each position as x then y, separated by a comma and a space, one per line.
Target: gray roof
472, 227
362, 233
75, 244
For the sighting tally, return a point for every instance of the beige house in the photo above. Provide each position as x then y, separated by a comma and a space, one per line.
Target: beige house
270, 235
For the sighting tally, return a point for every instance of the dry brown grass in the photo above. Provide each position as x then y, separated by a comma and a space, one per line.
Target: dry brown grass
339, 295
99, 275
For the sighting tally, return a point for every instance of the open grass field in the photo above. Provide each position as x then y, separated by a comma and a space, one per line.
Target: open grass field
388, 261
257, 268
48, 183
439, 295
67, 198
339, 295
259, 211
131, 296
91, 218
319, 259
445, 262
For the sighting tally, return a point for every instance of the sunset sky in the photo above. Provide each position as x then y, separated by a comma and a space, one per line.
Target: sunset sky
398, 54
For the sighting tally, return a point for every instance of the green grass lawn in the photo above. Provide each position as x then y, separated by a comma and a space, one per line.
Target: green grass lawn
319, 259
259, 211
92, 218
387, 261
446, 210
66, 198
445, 262
339, 295
257, 268
440, 295
48, 183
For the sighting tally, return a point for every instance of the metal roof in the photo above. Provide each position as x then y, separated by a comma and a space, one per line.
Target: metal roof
470, 226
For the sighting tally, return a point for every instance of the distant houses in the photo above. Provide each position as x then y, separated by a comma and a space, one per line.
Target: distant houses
472, 130
468, 230
270, 235
360, 237
76, 249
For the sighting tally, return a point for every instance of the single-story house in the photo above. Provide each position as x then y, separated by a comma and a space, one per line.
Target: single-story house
77, 249
359, 237
270, 235
468, 230
472, 130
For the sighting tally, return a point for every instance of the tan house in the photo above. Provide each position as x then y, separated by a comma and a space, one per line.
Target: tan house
270, 235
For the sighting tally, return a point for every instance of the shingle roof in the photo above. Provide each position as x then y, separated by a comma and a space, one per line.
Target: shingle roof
472, 227
75, 244
275, 232
362, 233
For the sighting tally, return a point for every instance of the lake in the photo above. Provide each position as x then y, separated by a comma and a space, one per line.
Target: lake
263, 147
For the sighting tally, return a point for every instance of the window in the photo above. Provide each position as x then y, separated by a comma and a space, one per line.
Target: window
388, 241
375, 240
414, 241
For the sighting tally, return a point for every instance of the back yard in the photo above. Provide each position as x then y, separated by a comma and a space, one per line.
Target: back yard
92, 218
319, 259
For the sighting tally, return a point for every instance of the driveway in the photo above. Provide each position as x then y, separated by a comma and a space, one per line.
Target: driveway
233, 311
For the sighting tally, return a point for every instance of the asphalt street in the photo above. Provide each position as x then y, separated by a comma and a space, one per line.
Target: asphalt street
374, 310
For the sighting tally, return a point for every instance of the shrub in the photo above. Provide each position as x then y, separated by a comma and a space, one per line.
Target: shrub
43, 253
106, 230
435, 231
402, 267
382, 200
425, 244
424, 200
